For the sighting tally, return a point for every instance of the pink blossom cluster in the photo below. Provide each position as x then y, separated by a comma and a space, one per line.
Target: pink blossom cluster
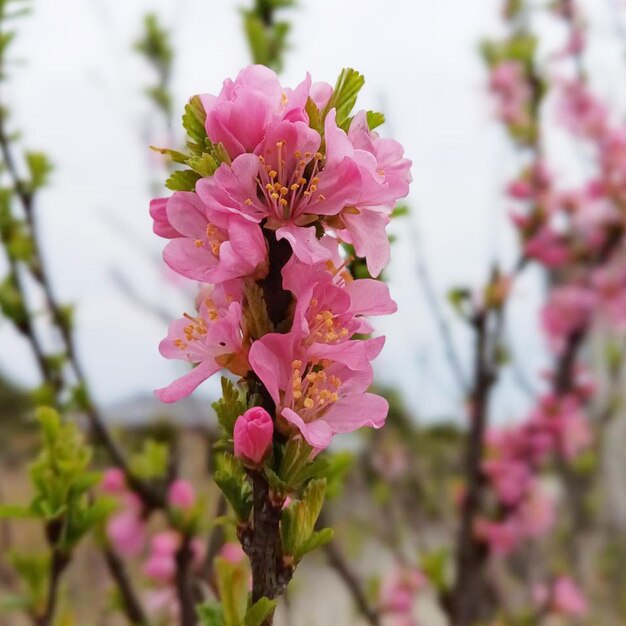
563, 597
556, 428
398, 595
294, 188
128, 532
508, 83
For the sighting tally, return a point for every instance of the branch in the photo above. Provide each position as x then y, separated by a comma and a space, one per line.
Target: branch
131, 605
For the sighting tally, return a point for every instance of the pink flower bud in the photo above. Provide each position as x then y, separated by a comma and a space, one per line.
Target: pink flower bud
181, 495
113, 480
253, 435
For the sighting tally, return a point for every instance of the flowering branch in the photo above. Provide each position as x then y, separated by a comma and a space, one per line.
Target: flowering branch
259, 216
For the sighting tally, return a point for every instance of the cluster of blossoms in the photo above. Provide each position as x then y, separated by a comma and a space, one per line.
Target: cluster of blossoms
578, 237
129, 535
509, 85
264, 233
563, 597
398, 594
557, 427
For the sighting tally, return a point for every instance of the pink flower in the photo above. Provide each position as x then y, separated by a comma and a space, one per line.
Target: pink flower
537, 513
160, 565
509, 84
207, 245
127, 532
113, 481
253, 435
510, 478
289, 184
321, 397
501, 537
232, 552
609, 284
400, 590
581, 112
241, 114
214, 339
567, 311
181, 495
547, 247
330, 305
567, 598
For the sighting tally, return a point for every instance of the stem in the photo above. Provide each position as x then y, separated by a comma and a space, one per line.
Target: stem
132, 607
269, 574
469, 591
185, 587
58, 564
353, 584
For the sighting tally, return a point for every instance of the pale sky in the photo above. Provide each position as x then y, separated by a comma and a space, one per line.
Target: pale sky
78, 96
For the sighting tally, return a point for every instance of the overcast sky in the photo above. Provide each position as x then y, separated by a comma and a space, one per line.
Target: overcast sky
78, 96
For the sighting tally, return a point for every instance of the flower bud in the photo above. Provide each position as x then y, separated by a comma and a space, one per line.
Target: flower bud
181, 495
253, 435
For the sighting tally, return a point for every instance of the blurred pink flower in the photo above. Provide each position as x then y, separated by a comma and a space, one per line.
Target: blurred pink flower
181, 494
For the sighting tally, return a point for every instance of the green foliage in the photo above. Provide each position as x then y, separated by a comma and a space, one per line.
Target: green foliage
61, 481
436, 565
232, 585
259, 612
39, 168
155, 46
203, 158
233, 609
267, 36
231, 479
32, 570
210, 614
344, 96
229, 407
152, 462
375, 119
182, 180
11, 302
299, 519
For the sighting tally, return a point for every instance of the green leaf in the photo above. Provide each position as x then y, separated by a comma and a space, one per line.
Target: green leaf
11, 302
374, 119
230, 406
259, 612
315, 117
300, 517
435, 567
344, 95
152, 461
193, 123
210, 614
231, 479
39, 167
316, 540
16, 512
175, 155
182, 180
204, 165
232, 584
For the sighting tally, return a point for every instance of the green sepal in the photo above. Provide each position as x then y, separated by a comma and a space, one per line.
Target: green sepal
230, 406
299, 518
231, 479
259, 612
182, 180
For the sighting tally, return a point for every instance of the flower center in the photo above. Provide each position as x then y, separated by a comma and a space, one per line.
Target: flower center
289, 185
313, 391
